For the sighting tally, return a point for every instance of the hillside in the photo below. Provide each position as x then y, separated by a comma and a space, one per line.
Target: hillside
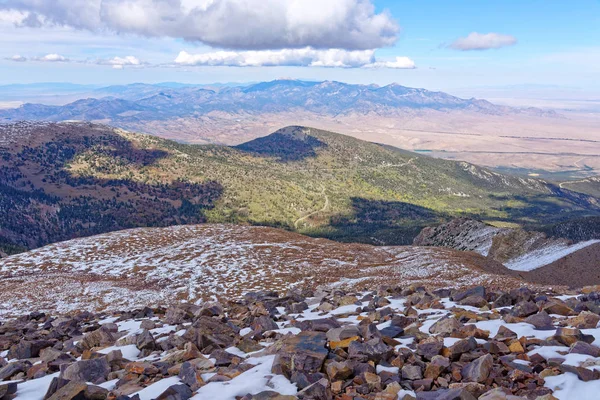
153, 266
535, 256
66, 180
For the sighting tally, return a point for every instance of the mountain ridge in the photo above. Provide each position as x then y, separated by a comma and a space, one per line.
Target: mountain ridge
64, 180
327, 97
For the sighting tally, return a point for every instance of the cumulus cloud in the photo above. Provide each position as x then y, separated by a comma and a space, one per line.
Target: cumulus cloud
52, 58
481, 41
230, 24
121, 62
17, 58
398, 63
306, 57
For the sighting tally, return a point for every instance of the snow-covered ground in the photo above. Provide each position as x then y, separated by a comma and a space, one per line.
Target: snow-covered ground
546, 255
157, 266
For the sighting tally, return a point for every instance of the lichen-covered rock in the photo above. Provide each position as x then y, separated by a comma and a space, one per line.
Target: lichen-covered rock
304, 352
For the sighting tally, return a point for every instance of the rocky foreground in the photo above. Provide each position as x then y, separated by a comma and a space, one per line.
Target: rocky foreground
392, 343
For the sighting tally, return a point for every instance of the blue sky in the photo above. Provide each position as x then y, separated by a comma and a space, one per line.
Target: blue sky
547, 42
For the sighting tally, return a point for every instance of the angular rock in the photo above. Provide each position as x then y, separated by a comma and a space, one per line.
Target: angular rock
145, 341
585, 320
95, 371
27, 349
568, 336
373, 350
342, 333
263, 324
445, 326
524, 309
474, 301
98, 338
557, 307
412, 372
462, 346
541, 321
430, 347
304, 352
190, 376
585, 348
478, 370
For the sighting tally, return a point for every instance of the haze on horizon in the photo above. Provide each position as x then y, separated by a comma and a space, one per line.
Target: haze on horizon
539, 49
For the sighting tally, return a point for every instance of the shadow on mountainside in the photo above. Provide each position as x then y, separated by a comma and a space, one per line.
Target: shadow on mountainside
398, 223
42, 201
293, 144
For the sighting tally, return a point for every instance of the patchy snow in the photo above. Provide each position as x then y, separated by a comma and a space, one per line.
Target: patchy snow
546, 255
130, 352
568, 387
35, 389
157, 388
152, 266
253, 381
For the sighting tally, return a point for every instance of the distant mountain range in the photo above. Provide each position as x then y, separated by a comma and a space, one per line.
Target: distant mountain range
138, 105
64, 180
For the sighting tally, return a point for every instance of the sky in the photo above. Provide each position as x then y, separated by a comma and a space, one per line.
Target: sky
434, 44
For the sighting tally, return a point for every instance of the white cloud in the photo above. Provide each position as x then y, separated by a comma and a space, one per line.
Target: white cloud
398, 63
52, 58
18, 58
480, 41
306, 57
231, 24
121, 62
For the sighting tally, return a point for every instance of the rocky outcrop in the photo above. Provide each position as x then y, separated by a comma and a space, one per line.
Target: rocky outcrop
393, 343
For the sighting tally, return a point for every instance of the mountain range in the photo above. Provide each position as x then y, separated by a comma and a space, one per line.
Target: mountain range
65, 180
154, 108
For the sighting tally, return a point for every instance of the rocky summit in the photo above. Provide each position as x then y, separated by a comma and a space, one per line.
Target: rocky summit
384, 344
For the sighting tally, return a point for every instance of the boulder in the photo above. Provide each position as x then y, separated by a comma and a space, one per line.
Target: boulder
98, 338
145, 341
373, 350
27, 349
95, 371
462, 346
342, 333
176, 392
557, 307
445, 326
304, 352
585, 348
474, 301
478, 370
430, 347
568, 336
541, 321
190, 376
524, 309
585, 320
412, 372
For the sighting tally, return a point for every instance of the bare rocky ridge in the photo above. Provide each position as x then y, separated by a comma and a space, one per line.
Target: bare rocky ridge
153, 266
461, 234
393, 343
520, 250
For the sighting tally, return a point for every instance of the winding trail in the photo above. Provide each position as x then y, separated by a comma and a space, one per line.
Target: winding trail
299, 220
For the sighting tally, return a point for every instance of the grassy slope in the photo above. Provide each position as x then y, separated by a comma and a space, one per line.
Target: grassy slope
374, 193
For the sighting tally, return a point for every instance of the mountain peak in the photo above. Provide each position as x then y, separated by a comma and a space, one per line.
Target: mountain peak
291, 143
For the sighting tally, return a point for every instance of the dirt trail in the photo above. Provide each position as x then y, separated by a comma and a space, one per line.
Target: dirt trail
299, 220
